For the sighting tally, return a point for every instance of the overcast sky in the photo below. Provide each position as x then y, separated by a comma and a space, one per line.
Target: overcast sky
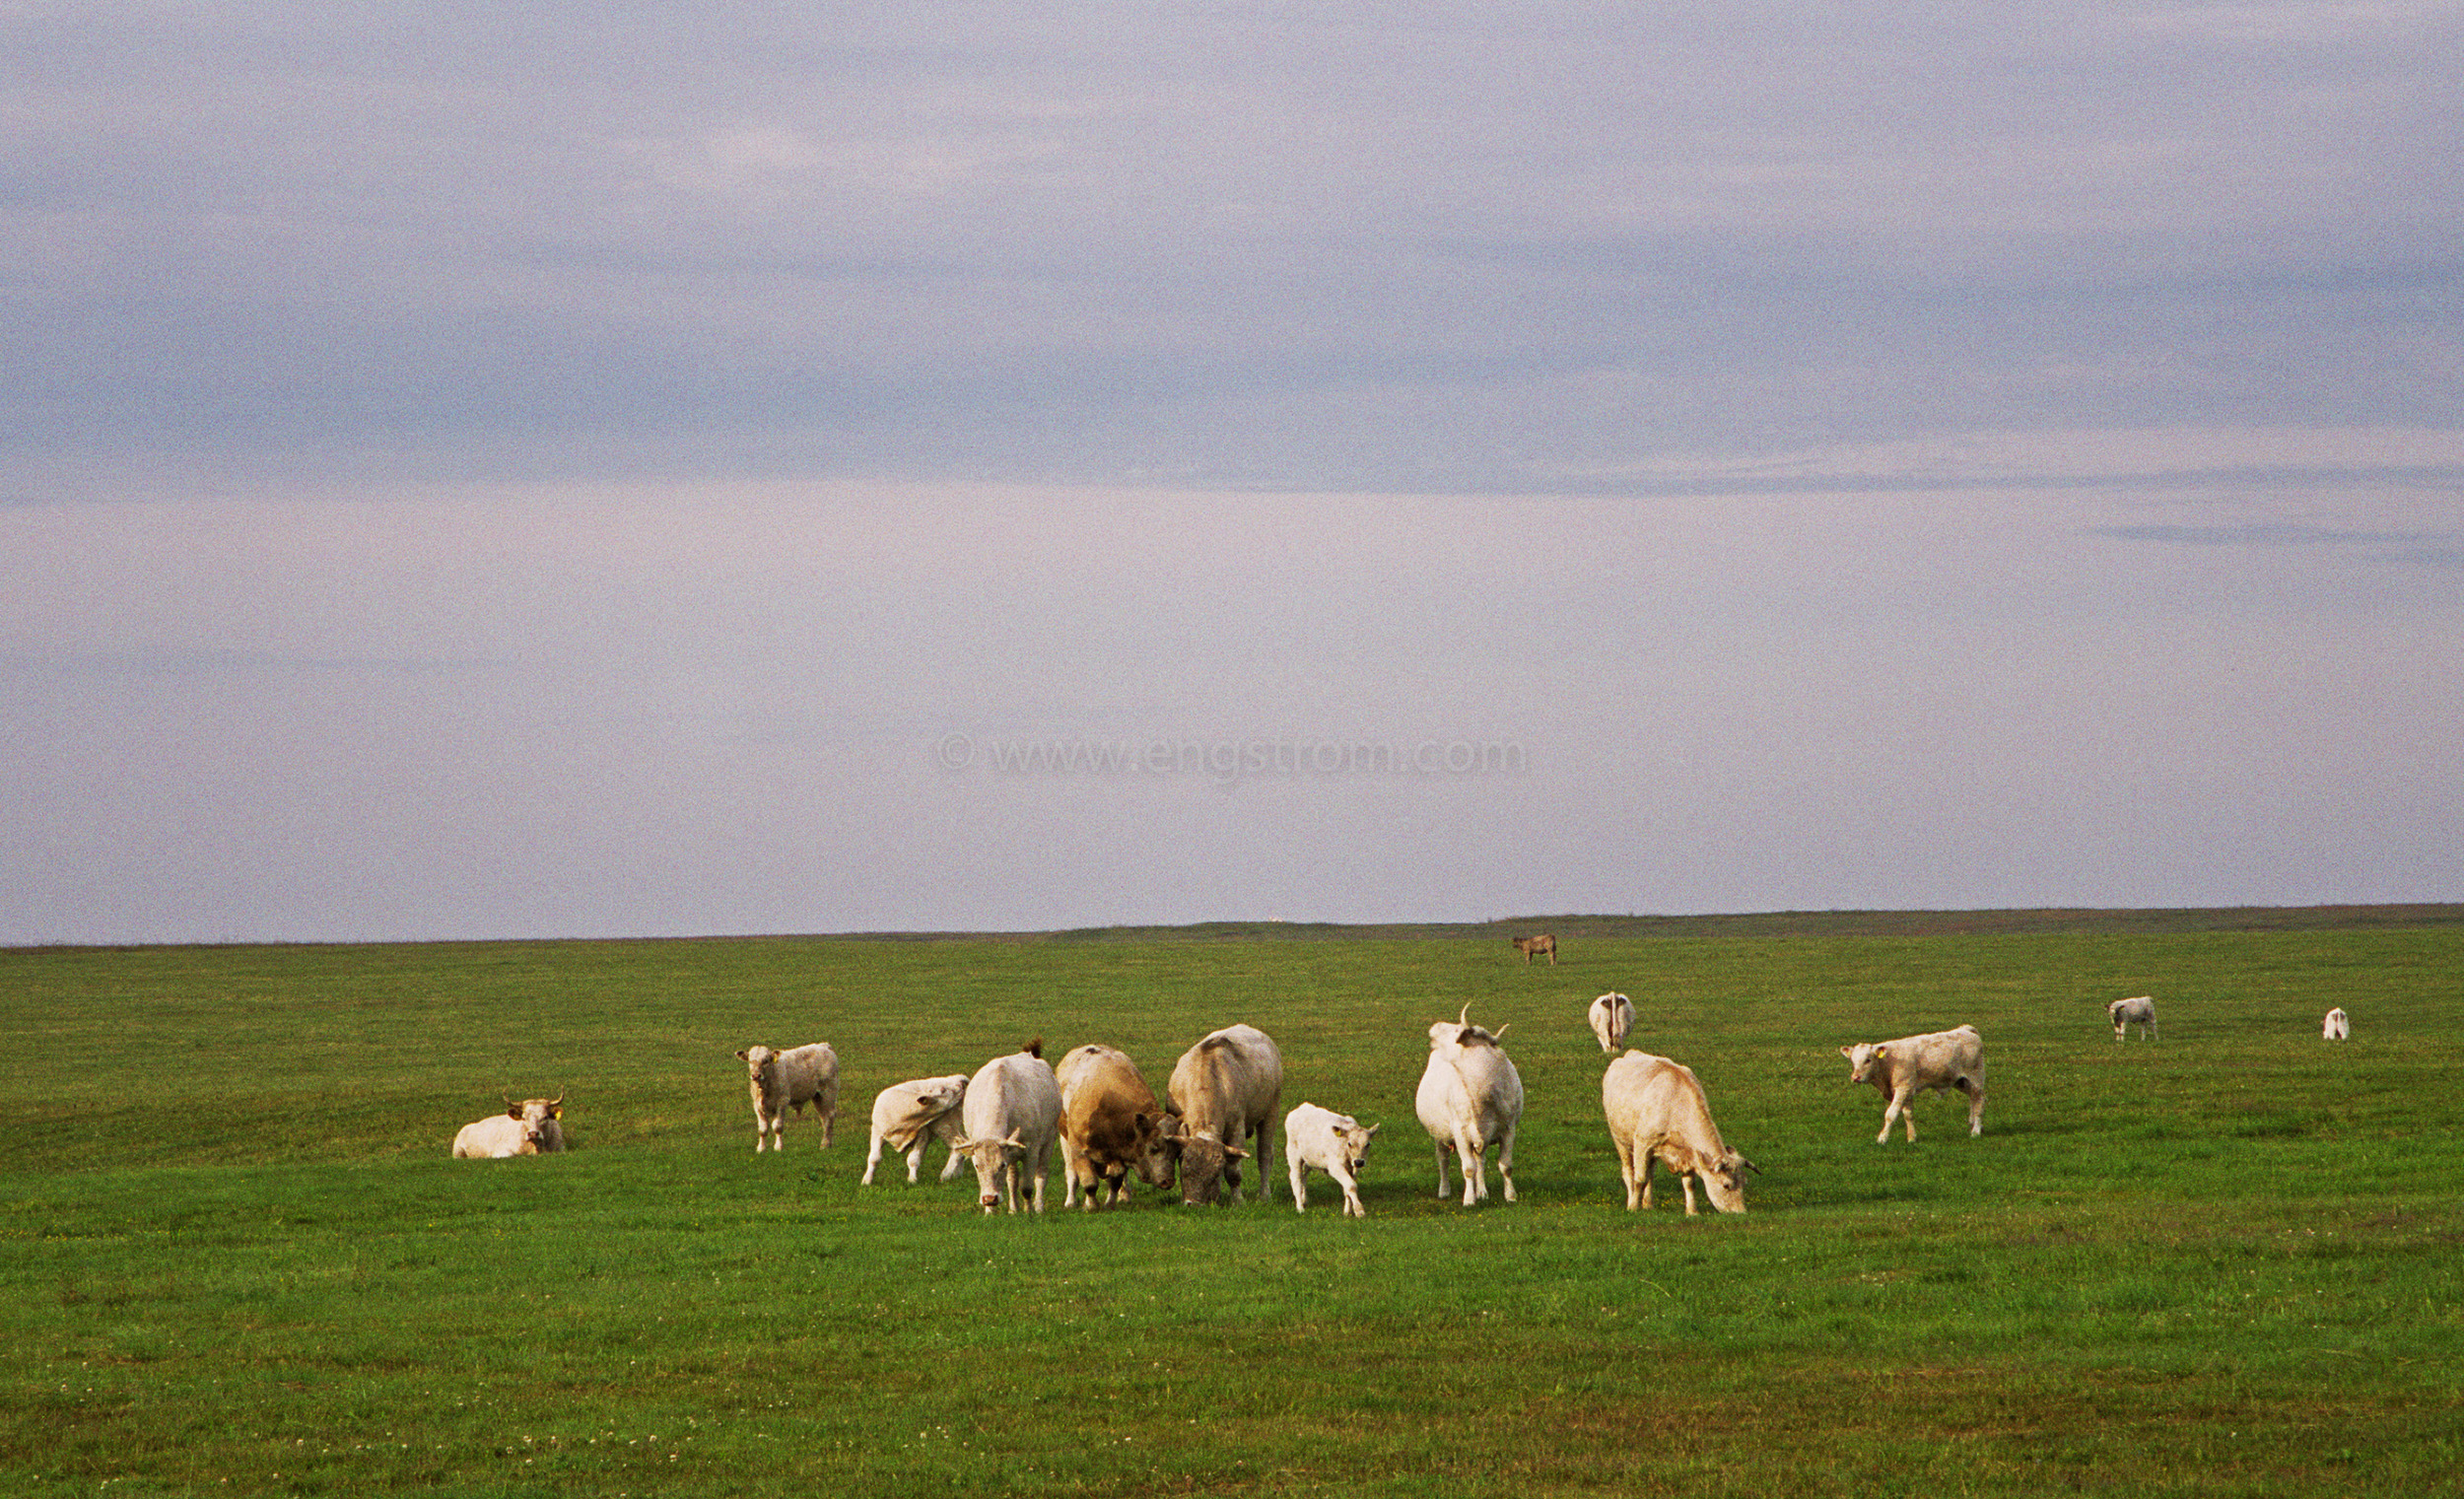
615, 470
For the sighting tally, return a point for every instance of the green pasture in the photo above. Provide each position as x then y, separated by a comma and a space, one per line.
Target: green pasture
235, 1259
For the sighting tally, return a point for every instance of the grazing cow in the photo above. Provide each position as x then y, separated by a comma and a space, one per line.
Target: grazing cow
1225, 1090
1530, 948
1012, 1115
2337, 1028
1929, 1063
1657, 1113
907, 1116
532, 1127
1471, 1096
783, 1082
1334, 1143
2125, 1013
1110, 1125
1612, 1016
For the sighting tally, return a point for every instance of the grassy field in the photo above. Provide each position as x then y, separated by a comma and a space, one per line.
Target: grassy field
233, 1257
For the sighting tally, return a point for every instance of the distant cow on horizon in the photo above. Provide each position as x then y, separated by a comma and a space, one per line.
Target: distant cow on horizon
1532, 946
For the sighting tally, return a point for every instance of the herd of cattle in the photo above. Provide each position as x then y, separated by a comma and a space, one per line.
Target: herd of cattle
1219, 1107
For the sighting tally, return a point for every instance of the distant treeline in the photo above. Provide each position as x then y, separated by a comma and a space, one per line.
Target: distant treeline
1781, 924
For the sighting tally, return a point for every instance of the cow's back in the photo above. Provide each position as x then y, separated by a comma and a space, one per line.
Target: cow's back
1016, 1092
1229, 1083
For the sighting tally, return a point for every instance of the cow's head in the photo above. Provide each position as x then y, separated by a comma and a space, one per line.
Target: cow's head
537, 1116
1211, 1170
1724, 1180
1353, 1138
757, 1061
1460, 1032
991, 1156
1868, 1061
1156, 1151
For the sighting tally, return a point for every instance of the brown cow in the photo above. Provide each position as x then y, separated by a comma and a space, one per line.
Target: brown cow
1544, 944
1110, 1125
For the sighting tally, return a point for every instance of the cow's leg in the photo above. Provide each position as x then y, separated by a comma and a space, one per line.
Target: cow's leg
1073, 1165
915, 1158
1626, 1172
1685, 1179
1646, 1161
1300, 1185
1472, 1157
1976, 1104
1351, 1193
1505, 1160
1440, 1146
872, 1159
1038, 1165
1896, 1109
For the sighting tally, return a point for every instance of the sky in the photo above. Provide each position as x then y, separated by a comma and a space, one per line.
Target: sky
616, 470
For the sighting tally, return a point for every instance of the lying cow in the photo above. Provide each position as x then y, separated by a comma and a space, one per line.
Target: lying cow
1110, 1125
1224, 1090
1611, 1017
533, 1126
1657, 1113
1470, 1097
1334, 1143
1913, 1064
907, 1116
1012, 1114
2125, 1013
2336, 1027
783, 1082
1532, 947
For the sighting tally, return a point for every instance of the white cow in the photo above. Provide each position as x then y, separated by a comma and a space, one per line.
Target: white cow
907, 1116
1224, 1090
533, 1126
1469, 1097
2125, 1013
1611, 1017
1110, 1125
1334, 1143
1929, 1063
2337, 1028
1012, 1115
783, 1082
1657, 1113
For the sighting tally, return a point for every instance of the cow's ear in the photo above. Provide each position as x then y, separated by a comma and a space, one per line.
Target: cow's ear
556, 1111
515, 1111
740, 1056
1848, 1052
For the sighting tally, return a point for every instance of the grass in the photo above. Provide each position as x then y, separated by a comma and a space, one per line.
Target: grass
234, 1257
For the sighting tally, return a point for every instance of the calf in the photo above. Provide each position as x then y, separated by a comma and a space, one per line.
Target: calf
1532, 947
1929, 1063
907, 1116
1224, 1090
2125, 1013
1611, 1017
1334, 1143
1657, 1113
1110, 1125
2336, 1027
1012, 1115
783, 1082
1469, 1097
533, 1126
